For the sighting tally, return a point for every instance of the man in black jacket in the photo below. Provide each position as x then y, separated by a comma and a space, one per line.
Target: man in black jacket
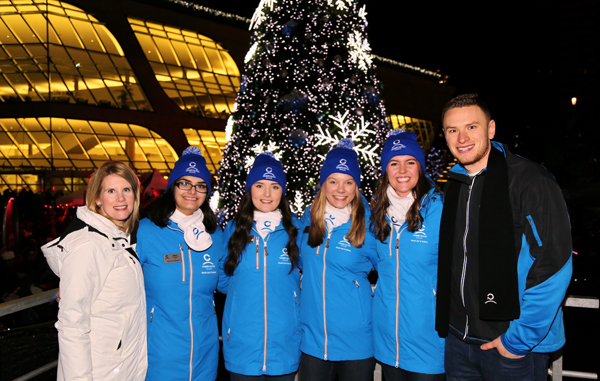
504, 255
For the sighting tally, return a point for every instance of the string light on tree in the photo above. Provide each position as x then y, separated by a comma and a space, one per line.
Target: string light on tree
309, 82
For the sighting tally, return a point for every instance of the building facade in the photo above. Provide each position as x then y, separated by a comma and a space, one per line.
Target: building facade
86, 81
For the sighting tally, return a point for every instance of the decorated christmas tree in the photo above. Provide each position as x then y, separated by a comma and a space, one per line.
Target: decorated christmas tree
309, 83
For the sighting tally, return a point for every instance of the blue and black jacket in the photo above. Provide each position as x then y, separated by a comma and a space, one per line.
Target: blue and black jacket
542, 259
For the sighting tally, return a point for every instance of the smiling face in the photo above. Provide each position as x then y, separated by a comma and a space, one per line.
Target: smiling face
266, 195
116, 199
188, 201
468, 134
403, 174
340, 190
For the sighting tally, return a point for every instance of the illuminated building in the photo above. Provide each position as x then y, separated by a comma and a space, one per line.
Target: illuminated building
86, 81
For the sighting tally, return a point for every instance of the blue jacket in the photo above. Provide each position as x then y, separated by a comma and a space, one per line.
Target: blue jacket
337, 327
183, 334
261, 320
404, 305
544, 268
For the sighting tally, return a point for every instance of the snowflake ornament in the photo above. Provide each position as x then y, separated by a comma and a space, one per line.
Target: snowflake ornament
346, 130
360, 51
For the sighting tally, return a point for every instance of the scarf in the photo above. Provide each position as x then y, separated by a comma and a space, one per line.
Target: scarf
335, 217
267, 222
398, 207
497, 256
194, 233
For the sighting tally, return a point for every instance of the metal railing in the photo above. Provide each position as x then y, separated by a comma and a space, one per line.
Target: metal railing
555, 370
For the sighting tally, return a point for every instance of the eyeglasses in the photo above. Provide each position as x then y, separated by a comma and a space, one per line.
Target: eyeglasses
185, 186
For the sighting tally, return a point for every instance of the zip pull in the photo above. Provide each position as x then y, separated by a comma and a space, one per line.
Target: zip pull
295, 298
327, 243
214, 307
356, 283
265, 248
318, 248
182, 263
228, 333
152, 314
257, 250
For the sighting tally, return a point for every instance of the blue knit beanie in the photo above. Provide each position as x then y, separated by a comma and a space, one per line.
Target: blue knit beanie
342, 159
191, 163
266, 167
400, 143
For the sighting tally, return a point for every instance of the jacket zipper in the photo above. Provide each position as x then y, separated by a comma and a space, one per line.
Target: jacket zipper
464, 268
190, 316
398, 295
265, 254
324, 302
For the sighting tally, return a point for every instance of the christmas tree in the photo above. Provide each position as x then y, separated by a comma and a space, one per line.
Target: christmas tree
309, 83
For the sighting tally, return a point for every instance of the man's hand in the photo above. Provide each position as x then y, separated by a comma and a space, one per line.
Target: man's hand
497, 343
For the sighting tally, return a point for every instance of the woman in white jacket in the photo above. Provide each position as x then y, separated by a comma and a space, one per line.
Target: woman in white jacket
101, 321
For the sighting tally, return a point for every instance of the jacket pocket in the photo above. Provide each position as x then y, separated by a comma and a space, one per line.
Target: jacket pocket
360, 304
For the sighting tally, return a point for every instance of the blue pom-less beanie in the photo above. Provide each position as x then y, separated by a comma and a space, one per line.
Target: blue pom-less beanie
266, 167
342, 159
400, 143
191, 163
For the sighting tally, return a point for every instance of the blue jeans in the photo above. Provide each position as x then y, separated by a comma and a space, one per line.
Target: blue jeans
391, 373
467, 362
314, 369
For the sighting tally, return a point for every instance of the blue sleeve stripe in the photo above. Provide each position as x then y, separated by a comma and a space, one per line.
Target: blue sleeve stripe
535, 233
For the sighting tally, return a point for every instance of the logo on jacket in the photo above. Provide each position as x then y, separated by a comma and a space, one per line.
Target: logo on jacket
395, 222
284, 258
419, 236
344, 245
397, 145
208, 267
490, 299
269, 174
192, 168
342, 165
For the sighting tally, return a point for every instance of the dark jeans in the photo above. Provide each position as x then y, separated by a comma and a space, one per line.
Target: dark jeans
467, 362
314, 369
241, 377
391, 373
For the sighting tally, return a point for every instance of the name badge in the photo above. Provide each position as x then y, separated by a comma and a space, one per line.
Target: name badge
172, 258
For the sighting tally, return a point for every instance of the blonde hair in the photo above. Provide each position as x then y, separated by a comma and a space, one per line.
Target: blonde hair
94, 190
358, 225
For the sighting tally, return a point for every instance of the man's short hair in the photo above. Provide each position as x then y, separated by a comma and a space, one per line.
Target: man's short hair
465, 100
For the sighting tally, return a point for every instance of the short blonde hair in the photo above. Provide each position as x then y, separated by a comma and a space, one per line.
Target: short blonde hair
94, 189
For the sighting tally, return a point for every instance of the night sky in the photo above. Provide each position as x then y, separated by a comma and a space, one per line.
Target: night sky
526, 59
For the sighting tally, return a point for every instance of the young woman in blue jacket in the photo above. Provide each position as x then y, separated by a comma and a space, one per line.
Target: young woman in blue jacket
179, 246
405, 219
337, 254
261, 327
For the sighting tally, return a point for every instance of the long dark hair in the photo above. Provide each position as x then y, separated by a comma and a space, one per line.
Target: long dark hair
164, 205
380, 204
243, 225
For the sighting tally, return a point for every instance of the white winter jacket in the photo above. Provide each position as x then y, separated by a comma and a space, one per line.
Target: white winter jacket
102, 317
